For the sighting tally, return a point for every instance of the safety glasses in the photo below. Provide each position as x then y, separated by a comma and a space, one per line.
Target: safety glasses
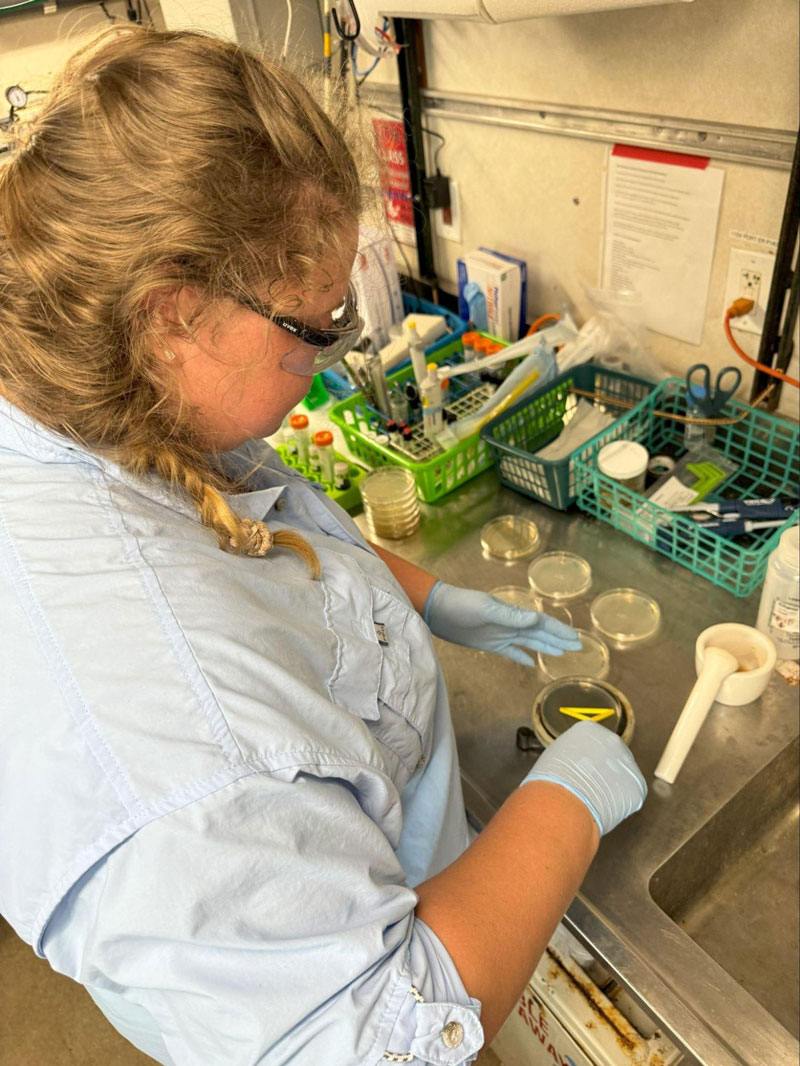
316, 349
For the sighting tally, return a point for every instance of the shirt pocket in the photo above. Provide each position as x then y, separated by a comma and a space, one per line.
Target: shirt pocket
385, 672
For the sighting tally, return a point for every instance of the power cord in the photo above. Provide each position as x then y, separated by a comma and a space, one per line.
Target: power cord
736, 310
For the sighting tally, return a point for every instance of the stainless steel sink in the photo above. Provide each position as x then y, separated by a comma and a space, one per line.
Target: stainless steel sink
733, 887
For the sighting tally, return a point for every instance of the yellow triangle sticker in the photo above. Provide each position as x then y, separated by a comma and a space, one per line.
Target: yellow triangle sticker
590, 714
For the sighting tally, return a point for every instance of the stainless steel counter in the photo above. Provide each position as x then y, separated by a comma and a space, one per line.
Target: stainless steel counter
705, 1010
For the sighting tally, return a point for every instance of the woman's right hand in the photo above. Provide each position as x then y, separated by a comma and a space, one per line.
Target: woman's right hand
593, 764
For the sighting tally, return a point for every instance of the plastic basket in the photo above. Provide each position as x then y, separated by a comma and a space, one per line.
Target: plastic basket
434, 477
341, 387
349, 498
527, 426
765, 449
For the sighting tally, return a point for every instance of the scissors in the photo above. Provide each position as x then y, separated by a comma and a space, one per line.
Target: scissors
711, 403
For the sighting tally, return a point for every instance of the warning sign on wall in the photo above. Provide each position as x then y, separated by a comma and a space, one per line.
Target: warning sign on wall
395, 179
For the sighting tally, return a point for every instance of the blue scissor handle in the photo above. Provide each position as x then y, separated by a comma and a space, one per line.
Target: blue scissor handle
716, 398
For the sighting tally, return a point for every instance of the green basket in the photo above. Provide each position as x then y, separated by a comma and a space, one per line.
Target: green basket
434, 477
518, 433
765, 449
349, 498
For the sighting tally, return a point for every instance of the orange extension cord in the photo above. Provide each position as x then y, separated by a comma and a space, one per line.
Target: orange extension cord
743, 307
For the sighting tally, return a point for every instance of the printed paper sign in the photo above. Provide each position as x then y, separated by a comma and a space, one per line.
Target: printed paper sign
660, 230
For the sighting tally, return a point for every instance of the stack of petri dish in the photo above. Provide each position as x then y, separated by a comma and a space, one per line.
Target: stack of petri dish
390, 502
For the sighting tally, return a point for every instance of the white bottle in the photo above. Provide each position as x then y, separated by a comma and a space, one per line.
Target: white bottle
431, 396
779, 610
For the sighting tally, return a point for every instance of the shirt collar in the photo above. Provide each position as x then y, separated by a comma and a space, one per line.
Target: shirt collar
22, 434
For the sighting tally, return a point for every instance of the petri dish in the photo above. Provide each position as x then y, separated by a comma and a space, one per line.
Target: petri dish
593, 660
563, 703
560, 575
509, 537
387, 486
626, 616
517, 596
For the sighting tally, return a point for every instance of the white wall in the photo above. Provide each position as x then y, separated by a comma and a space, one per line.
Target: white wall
540, 195
710, 60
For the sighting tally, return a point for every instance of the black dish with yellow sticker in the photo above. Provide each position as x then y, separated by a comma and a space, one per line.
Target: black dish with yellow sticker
568, 700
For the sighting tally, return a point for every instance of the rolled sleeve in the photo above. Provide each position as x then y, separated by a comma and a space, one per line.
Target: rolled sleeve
267, 923
437, 1022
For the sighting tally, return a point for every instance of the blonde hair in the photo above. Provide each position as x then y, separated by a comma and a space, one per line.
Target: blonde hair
159, 160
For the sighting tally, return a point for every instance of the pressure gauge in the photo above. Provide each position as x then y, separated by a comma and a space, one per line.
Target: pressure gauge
17, 97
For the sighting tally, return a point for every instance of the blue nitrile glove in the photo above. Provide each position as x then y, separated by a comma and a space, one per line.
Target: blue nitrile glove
593, 764
478, 620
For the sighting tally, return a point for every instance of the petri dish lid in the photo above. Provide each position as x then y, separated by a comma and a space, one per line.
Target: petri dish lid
510, 537
593, 660
517, 596
388, 485
560, 575
569, 700
625, 615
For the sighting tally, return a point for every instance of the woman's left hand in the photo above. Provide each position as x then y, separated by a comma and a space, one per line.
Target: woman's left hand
477, 620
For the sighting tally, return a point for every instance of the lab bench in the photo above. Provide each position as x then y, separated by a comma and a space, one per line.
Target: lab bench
715, 1018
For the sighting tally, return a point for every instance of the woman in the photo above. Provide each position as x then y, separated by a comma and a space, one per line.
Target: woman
229, 800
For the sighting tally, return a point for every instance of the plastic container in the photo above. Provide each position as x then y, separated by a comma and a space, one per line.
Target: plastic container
593, 660
302, 437
765, 450
323, 439
695, 434
624, 461
509, 537
560, 575
779, 609
516, 435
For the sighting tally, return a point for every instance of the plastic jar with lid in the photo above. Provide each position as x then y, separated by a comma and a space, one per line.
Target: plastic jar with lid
626, 462
779, 609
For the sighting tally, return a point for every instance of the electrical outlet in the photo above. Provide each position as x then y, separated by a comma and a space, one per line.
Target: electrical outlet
448, 222
749, 278
750, 285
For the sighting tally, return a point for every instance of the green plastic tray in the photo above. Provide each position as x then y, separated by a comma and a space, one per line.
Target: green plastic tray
349, 498
765, 449
434, 477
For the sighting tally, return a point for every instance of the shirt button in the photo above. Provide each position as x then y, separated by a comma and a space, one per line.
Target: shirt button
280, 504
453, 1034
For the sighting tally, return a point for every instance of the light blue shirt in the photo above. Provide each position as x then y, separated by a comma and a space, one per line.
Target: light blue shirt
217, 786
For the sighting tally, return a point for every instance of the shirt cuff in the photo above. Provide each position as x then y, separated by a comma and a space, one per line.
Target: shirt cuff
438, 1022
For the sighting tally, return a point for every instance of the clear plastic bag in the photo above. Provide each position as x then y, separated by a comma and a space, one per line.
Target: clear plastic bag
614, 337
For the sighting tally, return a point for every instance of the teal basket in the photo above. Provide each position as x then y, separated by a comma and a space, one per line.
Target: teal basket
518, 433
765, 450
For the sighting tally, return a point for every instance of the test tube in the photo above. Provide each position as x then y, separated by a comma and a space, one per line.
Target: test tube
377, 376
468, 340
299, 427
398, 402
323, 439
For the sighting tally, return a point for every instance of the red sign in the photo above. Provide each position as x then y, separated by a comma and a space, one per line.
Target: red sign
395, 179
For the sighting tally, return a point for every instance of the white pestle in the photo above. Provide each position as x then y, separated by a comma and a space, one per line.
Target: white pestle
718, 664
